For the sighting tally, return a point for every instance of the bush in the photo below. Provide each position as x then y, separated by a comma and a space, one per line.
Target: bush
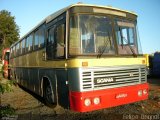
6, 110
6, 87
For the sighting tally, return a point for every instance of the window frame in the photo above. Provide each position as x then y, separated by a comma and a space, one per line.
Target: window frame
54, 26
77, 23
40, 29
127, 48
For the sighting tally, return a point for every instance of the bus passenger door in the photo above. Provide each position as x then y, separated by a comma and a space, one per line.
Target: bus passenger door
55, 51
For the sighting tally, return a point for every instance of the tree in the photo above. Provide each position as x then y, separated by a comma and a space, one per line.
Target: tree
9, 30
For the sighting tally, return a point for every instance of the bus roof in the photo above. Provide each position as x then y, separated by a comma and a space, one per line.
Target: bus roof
56, 14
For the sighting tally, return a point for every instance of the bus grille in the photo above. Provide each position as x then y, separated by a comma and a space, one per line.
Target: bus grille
93, 79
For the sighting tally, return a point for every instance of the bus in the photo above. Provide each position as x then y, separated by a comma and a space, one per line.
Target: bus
83, 58
5, 62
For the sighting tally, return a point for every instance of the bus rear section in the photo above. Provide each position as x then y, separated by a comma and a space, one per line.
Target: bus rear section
5, 62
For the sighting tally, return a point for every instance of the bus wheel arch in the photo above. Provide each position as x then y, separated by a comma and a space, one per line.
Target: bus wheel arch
48, 92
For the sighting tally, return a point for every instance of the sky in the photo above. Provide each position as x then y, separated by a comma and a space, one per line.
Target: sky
28, 13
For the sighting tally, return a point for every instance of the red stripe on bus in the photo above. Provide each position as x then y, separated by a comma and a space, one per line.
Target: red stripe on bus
108, 97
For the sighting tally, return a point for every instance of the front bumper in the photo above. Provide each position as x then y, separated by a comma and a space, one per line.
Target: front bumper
108, 97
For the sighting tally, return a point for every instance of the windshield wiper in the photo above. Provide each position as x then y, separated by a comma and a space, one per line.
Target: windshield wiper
102, 49
123, 38
132, 50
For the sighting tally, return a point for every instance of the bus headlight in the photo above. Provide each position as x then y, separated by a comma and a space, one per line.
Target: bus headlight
140, 93
96, 100
144, 91
87, 102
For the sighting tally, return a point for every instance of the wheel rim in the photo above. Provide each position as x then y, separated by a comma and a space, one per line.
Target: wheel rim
48, 94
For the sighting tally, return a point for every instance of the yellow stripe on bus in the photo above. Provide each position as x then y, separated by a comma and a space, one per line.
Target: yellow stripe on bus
75, 63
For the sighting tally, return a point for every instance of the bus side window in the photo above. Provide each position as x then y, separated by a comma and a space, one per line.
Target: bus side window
56, 42
36, 40
60, 40
14, 51
26, 44
11, 52
30, 42
41, 37
20, 47
17, 49
50, 43
23, 46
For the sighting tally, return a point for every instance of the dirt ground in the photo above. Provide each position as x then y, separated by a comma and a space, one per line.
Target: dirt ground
31, 107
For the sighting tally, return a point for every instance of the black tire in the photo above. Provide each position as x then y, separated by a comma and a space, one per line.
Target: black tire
49, 96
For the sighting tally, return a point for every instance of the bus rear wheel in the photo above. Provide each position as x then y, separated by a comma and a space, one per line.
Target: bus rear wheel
49, 95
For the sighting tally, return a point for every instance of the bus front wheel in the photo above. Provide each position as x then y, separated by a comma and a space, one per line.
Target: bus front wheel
49, 95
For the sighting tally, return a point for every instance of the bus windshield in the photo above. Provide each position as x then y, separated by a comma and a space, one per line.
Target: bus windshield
95, 35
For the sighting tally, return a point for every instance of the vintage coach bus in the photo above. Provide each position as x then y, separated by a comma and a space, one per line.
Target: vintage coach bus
83, 57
